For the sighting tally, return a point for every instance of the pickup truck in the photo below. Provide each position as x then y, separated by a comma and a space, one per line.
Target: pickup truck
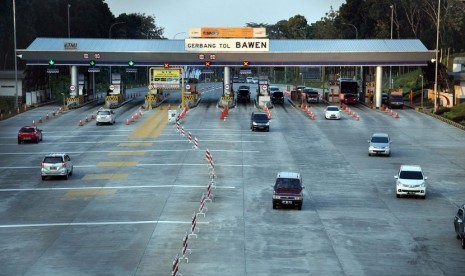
395, 98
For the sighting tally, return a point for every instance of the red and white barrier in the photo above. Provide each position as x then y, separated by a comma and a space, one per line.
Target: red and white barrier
183, 133
178, 126
175, 267
189, 137
194, 225
209, 195
202, 207
196, 143
184, 249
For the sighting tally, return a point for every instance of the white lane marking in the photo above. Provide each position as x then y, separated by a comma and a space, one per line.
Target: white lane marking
119, 151
100, 223
144, 141
137, 165
109, 188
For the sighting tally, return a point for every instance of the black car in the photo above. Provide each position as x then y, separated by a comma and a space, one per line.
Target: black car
259, 120
243, 95
459, 221
277, 97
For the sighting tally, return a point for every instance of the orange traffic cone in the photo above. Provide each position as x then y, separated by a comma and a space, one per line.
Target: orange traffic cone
17, 110
397, 115
92, 116
33, 123
40, 120
392, 113
46, 117
80, 122
127, 122
87, 120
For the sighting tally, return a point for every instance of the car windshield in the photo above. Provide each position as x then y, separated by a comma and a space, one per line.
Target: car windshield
243, 91
377, 139
278, 94
27, 129
332, 108
261, 117
105, 112
411, 175
287, 183
52, 159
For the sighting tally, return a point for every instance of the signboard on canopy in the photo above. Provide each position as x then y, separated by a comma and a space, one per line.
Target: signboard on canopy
165, 78
227, 32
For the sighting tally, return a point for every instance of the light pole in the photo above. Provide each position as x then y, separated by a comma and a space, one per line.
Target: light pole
390, 67
69, 29
421, 105
174, 36
356, 37
109, 36
16, 57
436, 62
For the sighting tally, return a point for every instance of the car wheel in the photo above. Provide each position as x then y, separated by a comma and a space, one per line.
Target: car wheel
369, 154
71, 172
37, 140
66, 176
388, 155
457, 236
268, 130
274, 206
299, 207
43, 177
423, 197
463, 243
397, 195
19, 141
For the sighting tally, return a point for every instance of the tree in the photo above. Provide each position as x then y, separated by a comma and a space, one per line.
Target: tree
138, 26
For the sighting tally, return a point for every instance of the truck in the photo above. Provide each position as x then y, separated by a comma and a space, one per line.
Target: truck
395, 98
348, 90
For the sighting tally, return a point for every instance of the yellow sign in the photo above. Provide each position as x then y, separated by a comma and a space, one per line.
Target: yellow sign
190, 97
165, 78
227, 32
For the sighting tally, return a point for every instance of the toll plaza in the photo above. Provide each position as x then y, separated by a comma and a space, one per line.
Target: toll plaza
219, 47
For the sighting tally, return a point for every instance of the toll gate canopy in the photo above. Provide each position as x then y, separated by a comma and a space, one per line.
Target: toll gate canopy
227, 52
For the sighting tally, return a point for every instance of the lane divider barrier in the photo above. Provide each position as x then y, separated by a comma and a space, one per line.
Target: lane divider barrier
185, 250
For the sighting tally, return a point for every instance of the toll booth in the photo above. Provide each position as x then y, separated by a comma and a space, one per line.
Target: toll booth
263, 92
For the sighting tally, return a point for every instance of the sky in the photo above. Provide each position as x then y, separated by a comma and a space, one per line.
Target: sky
176, 17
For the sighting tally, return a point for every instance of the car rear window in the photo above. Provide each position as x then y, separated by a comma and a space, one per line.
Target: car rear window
278, 93
260, 116
103, 113
27, 129
411, 175
52, 159
287, 183
333, 108
379, 139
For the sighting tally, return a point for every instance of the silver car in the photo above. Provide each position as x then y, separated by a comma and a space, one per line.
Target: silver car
332, 112
380, 143
105, 116
57, 164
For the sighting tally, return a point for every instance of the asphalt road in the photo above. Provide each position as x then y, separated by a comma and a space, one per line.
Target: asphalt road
136, 187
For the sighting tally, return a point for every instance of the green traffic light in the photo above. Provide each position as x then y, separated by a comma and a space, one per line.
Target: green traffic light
51, 62
131, 63
92, 63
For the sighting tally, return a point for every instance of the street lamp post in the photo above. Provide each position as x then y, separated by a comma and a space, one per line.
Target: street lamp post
16, 57
109, 36
437, 61
421, 105
390, 67
174, 36
356, 37
69, 28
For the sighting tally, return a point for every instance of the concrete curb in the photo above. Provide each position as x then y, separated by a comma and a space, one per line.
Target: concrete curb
450, 122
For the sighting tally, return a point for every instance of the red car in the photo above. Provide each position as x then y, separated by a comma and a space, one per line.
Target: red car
30, 134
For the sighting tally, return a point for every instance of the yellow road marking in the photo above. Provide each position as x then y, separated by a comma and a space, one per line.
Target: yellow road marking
126, 153
153, 126
106, 176
142, 144
117, 164
90, 192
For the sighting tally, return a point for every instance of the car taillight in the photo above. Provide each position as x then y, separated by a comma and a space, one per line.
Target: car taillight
43, 165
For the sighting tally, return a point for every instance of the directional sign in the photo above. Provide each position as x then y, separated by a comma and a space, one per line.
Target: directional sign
93, 69
53, 70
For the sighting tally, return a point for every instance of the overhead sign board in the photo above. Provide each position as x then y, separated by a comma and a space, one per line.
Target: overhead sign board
70, 45
209, 32
165, 78
227, 45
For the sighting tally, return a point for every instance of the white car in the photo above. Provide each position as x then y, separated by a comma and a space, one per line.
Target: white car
56, 165
105, 116
332, 112
410, 181
249, 80
380, 143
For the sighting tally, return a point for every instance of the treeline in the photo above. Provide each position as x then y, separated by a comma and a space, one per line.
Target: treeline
360, 19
